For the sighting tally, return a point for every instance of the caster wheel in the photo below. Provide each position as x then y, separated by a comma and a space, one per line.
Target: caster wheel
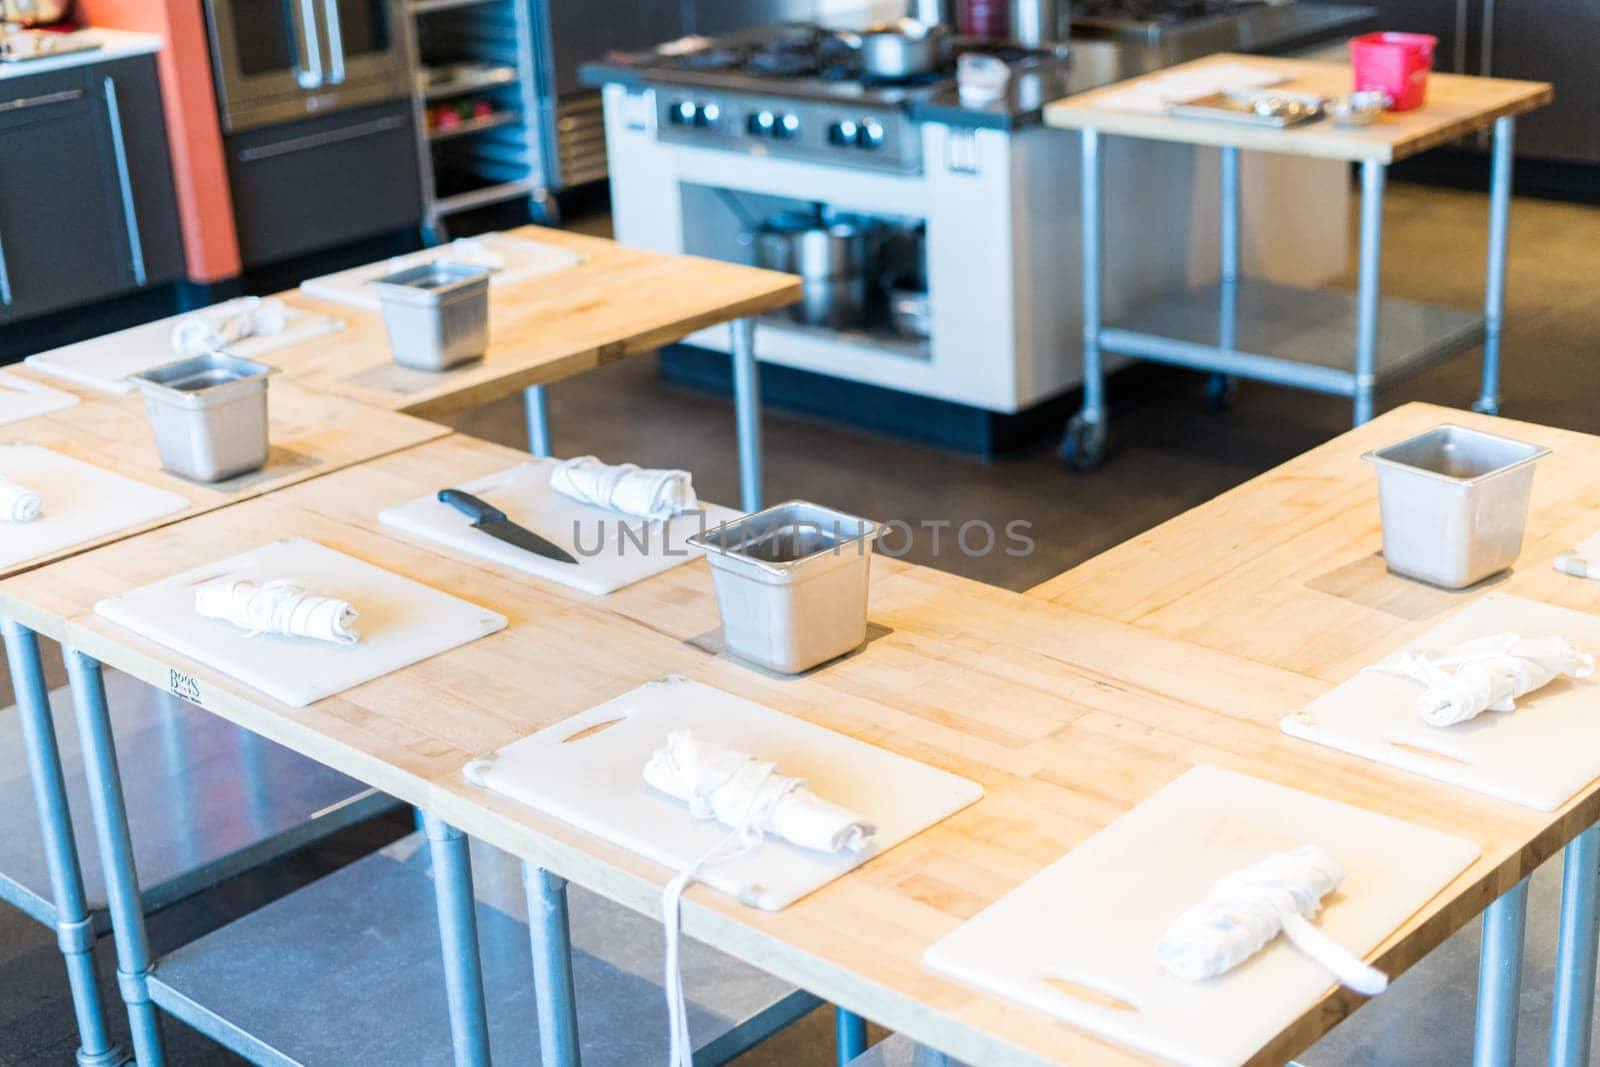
1484, 406
1221, 389
1083, 446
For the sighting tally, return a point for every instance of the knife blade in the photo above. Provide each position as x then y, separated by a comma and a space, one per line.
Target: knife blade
492, 521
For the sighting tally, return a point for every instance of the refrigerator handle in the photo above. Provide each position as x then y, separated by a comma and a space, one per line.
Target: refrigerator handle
330, 11
308, 61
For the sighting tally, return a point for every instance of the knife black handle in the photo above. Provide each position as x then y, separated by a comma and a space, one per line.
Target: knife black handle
479, 511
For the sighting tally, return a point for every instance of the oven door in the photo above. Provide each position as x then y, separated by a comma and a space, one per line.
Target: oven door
277, 62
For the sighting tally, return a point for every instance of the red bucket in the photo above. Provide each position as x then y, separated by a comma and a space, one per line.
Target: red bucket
1394, 63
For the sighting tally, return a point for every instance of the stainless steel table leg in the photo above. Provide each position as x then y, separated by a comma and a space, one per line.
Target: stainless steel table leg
1220, 388
458, 938
116, 854
1083, 445
1500, 979
1494, 290
1373, 174
553, 990
850, 1031
74, 926
1575, 953
538, 420
747, 409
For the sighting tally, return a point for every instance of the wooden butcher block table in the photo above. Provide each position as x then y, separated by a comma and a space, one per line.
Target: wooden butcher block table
617, 302
1067, 720
311, 434
1287, 570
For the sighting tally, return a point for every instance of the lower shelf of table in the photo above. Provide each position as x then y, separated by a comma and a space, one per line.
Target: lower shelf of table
1313, 330
348, 970
206, 800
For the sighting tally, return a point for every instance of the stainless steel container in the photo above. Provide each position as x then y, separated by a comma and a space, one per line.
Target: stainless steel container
1035, 23
209, 414
1454, 503
436, 315
791, 583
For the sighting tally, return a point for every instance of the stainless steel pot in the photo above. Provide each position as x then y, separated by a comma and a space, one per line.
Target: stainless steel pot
833, 259
894, 51
35, 12
1039, 22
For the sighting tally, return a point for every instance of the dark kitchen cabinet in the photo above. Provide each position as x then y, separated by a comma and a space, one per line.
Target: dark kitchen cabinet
1556, 41
1447, 20
304, 186
86, 202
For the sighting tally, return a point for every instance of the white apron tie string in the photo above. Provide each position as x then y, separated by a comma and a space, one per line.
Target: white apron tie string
278, 607
1248, 908
751, 798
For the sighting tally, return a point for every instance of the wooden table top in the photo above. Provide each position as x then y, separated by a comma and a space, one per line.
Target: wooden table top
1067, 719
618, 302
1287, 569
311, 434
1456, 105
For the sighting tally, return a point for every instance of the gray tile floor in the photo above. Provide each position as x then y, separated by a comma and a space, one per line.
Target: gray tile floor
1169, 454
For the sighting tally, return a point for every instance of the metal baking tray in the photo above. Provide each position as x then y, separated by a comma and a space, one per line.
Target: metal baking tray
1241, 108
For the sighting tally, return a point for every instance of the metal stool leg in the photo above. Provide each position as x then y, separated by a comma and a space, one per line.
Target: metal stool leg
1373, 175
1494, 290
116, 854
74, 927
1575, 953
850, 1031
1084, 443
538, 420
747, 411
458, 937
552, 967
1500, 979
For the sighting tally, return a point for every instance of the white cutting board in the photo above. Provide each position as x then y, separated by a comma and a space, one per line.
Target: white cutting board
1537, 756
520, 259
21, 398
80, 503
613, 549
1093, 918
401, 622
107, 363
596, 783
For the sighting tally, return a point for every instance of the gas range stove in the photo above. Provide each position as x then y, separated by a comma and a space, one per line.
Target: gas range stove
798, 91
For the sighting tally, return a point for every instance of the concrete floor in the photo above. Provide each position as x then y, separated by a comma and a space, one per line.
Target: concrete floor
1169, 454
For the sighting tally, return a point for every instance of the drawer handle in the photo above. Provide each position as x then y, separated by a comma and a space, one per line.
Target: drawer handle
130, 211
5, 278
318, 140
23, 103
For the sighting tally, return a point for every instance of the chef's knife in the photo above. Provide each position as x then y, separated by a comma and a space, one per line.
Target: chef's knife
492, 521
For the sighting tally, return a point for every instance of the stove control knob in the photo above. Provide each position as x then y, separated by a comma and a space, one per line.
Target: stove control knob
843, 132
788, 127
683, 113
708, 115
870, 134
762, 123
